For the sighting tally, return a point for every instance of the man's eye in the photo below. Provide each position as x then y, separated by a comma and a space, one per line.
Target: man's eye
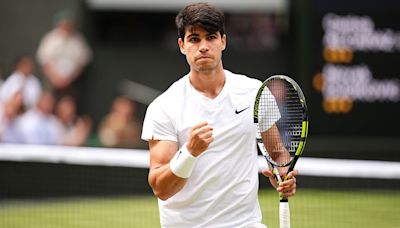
193, 39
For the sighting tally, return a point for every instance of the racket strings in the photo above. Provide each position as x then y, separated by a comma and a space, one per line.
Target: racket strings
283, 108
290, 107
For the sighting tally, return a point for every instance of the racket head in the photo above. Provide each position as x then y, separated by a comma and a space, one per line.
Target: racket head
281, 104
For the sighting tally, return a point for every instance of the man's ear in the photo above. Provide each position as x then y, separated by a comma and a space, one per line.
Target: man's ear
223, 39
181, 45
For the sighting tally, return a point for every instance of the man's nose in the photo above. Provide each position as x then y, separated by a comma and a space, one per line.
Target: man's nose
204, 46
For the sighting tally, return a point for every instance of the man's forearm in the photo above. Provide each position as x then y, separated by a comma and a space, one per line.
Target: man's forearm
165, 183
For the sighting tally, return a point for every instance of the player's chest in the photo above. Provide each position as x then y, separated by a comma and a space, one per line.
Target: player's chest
231, 117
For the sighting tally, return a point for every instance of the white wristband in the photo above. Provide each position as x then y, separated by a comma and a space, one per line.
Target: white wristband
182, 163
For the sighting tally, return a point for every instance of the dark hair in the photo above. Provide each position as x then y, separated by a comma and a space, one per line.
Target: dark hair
202, 15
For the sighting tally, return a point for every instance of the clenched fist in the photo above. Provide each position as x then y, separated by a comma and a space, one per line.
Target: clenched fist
200, 137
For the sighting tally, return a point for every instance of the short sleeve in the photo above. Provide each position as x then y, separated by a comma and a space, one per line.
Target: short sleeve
268, 111
158, 123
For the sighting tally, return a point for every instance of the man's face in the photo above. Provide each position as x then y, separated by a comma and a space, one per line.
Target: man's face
26, 66
66, 27
203, 50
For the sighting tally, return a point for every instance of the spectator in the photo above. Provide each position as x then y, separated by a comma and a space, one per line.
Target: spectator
76, 129
22, 80
120, 128
9, 112
63, 53
39, 125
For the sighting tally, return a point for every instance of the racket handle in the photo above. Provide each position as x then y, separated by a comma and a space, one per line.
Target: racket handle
284, 215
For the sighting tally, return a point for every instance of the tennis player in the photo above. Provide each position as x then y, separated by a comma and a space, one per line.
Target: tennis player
203, 159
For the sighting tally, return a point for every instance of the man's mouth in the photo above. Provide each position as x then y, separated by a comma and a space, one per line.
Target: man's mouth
204, 57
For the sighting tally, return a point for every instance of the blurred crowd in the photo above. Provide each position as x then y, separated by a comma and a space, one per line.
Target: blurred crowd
44, 110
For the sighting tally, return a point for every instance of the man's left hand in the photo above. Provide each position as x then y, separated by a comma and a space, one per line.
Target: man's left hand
287, 187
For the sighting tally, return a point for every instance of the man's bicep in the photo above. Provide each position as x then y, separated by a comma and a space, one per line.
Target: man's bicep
275, 146
271, 138
161, 152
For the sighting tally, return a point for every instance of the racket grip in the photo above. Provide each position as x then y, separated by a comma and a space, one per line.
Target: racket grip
284, 215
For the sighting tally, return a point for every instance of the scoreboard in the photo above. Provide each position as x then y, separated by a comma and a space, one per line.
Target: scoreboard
353, 57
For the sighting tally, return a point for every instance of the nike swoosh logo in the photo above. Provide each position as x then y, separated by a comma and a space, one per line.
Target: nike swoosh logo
178, 155
239, 111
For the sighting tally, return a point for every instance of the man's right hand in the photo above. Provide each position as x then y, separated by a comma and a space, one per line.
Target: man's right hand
200, 137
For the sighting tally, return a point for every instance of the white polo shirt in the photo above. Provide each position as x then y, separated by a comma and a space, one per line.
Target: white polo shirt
222, 190
29, 86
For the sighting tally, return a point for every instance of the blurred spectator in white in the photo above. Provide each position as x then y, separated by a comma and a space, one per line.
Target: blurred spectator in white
9, 112
63, 53
39, 125
120, 128
76, 129
22, 80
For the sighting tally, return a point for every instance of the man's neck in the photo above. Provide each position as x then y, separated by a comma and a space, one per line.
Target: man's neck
209, 84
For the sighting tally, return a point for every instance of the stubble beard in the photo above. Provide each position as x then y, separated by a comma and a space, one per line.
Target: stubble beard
207, 68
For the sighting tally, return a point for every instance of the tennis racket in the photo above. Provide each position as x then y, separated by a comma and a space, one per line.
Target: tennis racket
280, 114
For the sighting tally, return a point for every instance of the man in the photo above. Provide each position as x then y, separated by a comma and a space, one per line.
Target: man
63, 53
22, 81
39, 125
203, 160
